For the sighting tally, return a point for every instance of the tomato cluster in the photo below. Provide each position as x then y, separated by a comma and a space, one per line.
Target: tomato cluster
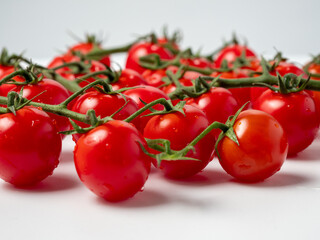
189, 118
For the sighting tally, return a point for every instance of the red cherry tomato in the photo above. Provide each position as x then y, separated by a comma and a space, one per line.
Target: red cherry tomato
52, 92
231, 53
198, 62
5, 88
85, 48
128, 78
147, 94
242, 95
296, 112
29, 146
164, 41
283, 68
218, 104
180, 130
110, 162
95, 67
154, 77
4, 68
104, 105
314, 68
142, 49
65, 71
171, 87
262, 147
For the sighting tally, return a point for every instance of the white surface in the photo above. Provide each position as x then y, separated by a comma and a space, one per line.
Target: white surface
211, 205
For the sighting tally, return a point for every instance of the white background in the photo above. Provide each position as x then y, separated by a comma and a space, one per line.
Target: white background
209, 206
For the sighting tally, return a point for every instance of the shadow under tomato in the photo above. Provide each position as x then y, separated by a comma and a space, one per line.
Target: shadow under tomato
147, 198
308, 155
204, 178
54, 183
278, 180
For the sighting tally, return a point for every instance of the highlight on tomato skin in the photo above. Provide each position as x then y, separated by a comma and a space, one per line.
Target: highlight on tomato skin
110, 162
30, 147
262, 149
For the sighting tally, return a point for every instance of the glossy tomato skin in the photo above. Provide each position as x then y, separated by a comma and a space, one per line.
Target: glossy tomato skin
154, 77
85, 48
147, 94
181, 130
128, 78
110, 162
142, 49
296, 112
231, 53
218, 104
314, 68
198, 62
262, 147
65, 71
242, 95
283, 68
104, 105
95, 67
5, 88
30, 146
51, 92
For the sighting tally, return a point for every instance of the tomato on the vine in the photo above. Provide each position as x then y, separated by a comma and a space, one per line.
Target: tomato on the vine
142, 49
198, 62
110, 162
46, 91
30, 146
314, 68
242, 95
147, 94
218, 104
231, 53
104, 105
6, 87
262, 148
128, 78
282, 68
180, 130
296, 112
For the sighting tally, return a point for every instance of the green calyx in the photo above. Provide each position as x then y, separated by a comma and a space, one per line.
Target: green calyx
228, 130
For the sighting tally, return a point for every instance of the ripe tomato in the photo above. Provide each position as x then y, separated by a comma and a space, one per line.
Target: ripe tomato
164, 41
180, 130
4, 68
5, 88
85, 48
198, 62
110, 162
314, 68
231, 53
29, 146
95, 67
283, 68
52, 92
296, 112
171, 87
142, 49
128, 78
147, 94
218, 104
65, 71
104, 105
242, 95
262, 147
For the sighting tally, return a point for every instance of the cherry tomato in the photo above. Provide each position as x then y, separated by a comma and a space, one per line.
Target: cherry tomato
171, 87
262, 147
154, 77
29, 146
147, 94
180, 130
104, 105
296, 112
218, 104
231, 53
128, 78
283, 68
314, 68
65, 71
95, 67
242, 95
5, 88
52, 92
85, 48
164, 41
110, 162
4, 68
198, 62
142, 49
